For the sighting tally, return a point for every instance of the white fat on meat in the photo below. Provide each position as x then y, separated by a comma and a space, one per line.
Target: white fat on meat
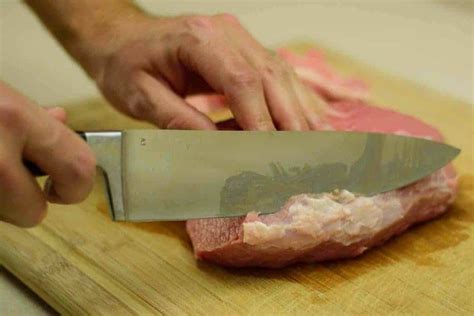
340, 217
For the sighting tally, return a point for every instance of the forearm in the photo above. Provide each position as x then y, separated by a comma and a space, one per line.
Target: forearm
88, 29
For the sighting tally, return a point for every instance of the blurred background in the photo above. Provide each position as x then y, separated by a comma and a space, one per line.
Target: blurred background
428, 42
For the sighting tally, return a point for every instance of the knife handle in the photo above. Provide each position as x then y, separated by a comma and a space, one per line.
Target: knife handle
35, 170
107, 148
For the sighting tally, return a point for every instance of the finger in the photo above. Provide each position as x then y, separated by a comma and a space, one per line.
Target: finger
212, 56
58, 113
162, 107
22, 202
62, 154
281, 98
312, 105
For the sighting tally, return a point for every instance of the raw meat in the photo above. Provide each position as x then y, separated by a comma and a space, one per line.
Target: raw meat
313, 69
318, 227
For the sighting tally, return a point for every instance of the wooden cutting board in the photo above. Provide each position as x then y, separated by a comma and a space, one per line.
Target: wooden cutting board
79, 261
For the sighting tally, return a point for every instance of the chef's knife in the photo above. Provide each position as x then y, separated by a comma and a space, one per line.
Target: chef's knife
160, 175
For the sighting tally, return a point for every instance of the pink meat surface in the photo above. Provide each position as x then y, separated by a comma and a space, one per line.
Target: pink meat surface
313, 69
333, 225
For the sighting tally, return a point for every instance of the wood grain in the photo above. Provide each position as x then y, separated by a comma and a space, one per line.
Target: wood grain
79, 261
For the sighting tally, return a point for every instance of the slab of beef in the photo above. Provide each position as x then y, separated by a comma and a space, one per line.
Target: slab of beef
333, 225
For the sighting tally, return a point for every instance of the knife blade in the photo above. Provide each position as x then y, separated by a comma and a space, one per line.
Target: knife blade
161, 175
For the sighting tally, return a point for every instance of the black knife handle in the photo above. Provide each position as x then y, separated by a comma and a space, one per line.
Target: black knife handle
35, 170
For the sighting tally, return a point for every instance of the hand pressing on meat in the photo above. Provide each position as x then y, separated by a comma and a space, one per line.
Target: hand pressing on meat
29, 132
145, 66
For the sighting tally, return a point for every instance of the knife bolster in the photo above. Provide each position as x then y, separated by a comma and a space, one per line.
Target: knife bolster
107, 147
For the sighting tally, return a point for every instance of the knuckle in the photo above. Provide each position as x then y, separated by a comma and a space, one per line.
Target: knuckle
271, 68
199, 25
243, 77
195, 30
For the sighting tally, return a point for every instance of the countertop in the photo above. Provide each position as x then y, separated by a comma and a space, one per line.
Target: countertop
428, 42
